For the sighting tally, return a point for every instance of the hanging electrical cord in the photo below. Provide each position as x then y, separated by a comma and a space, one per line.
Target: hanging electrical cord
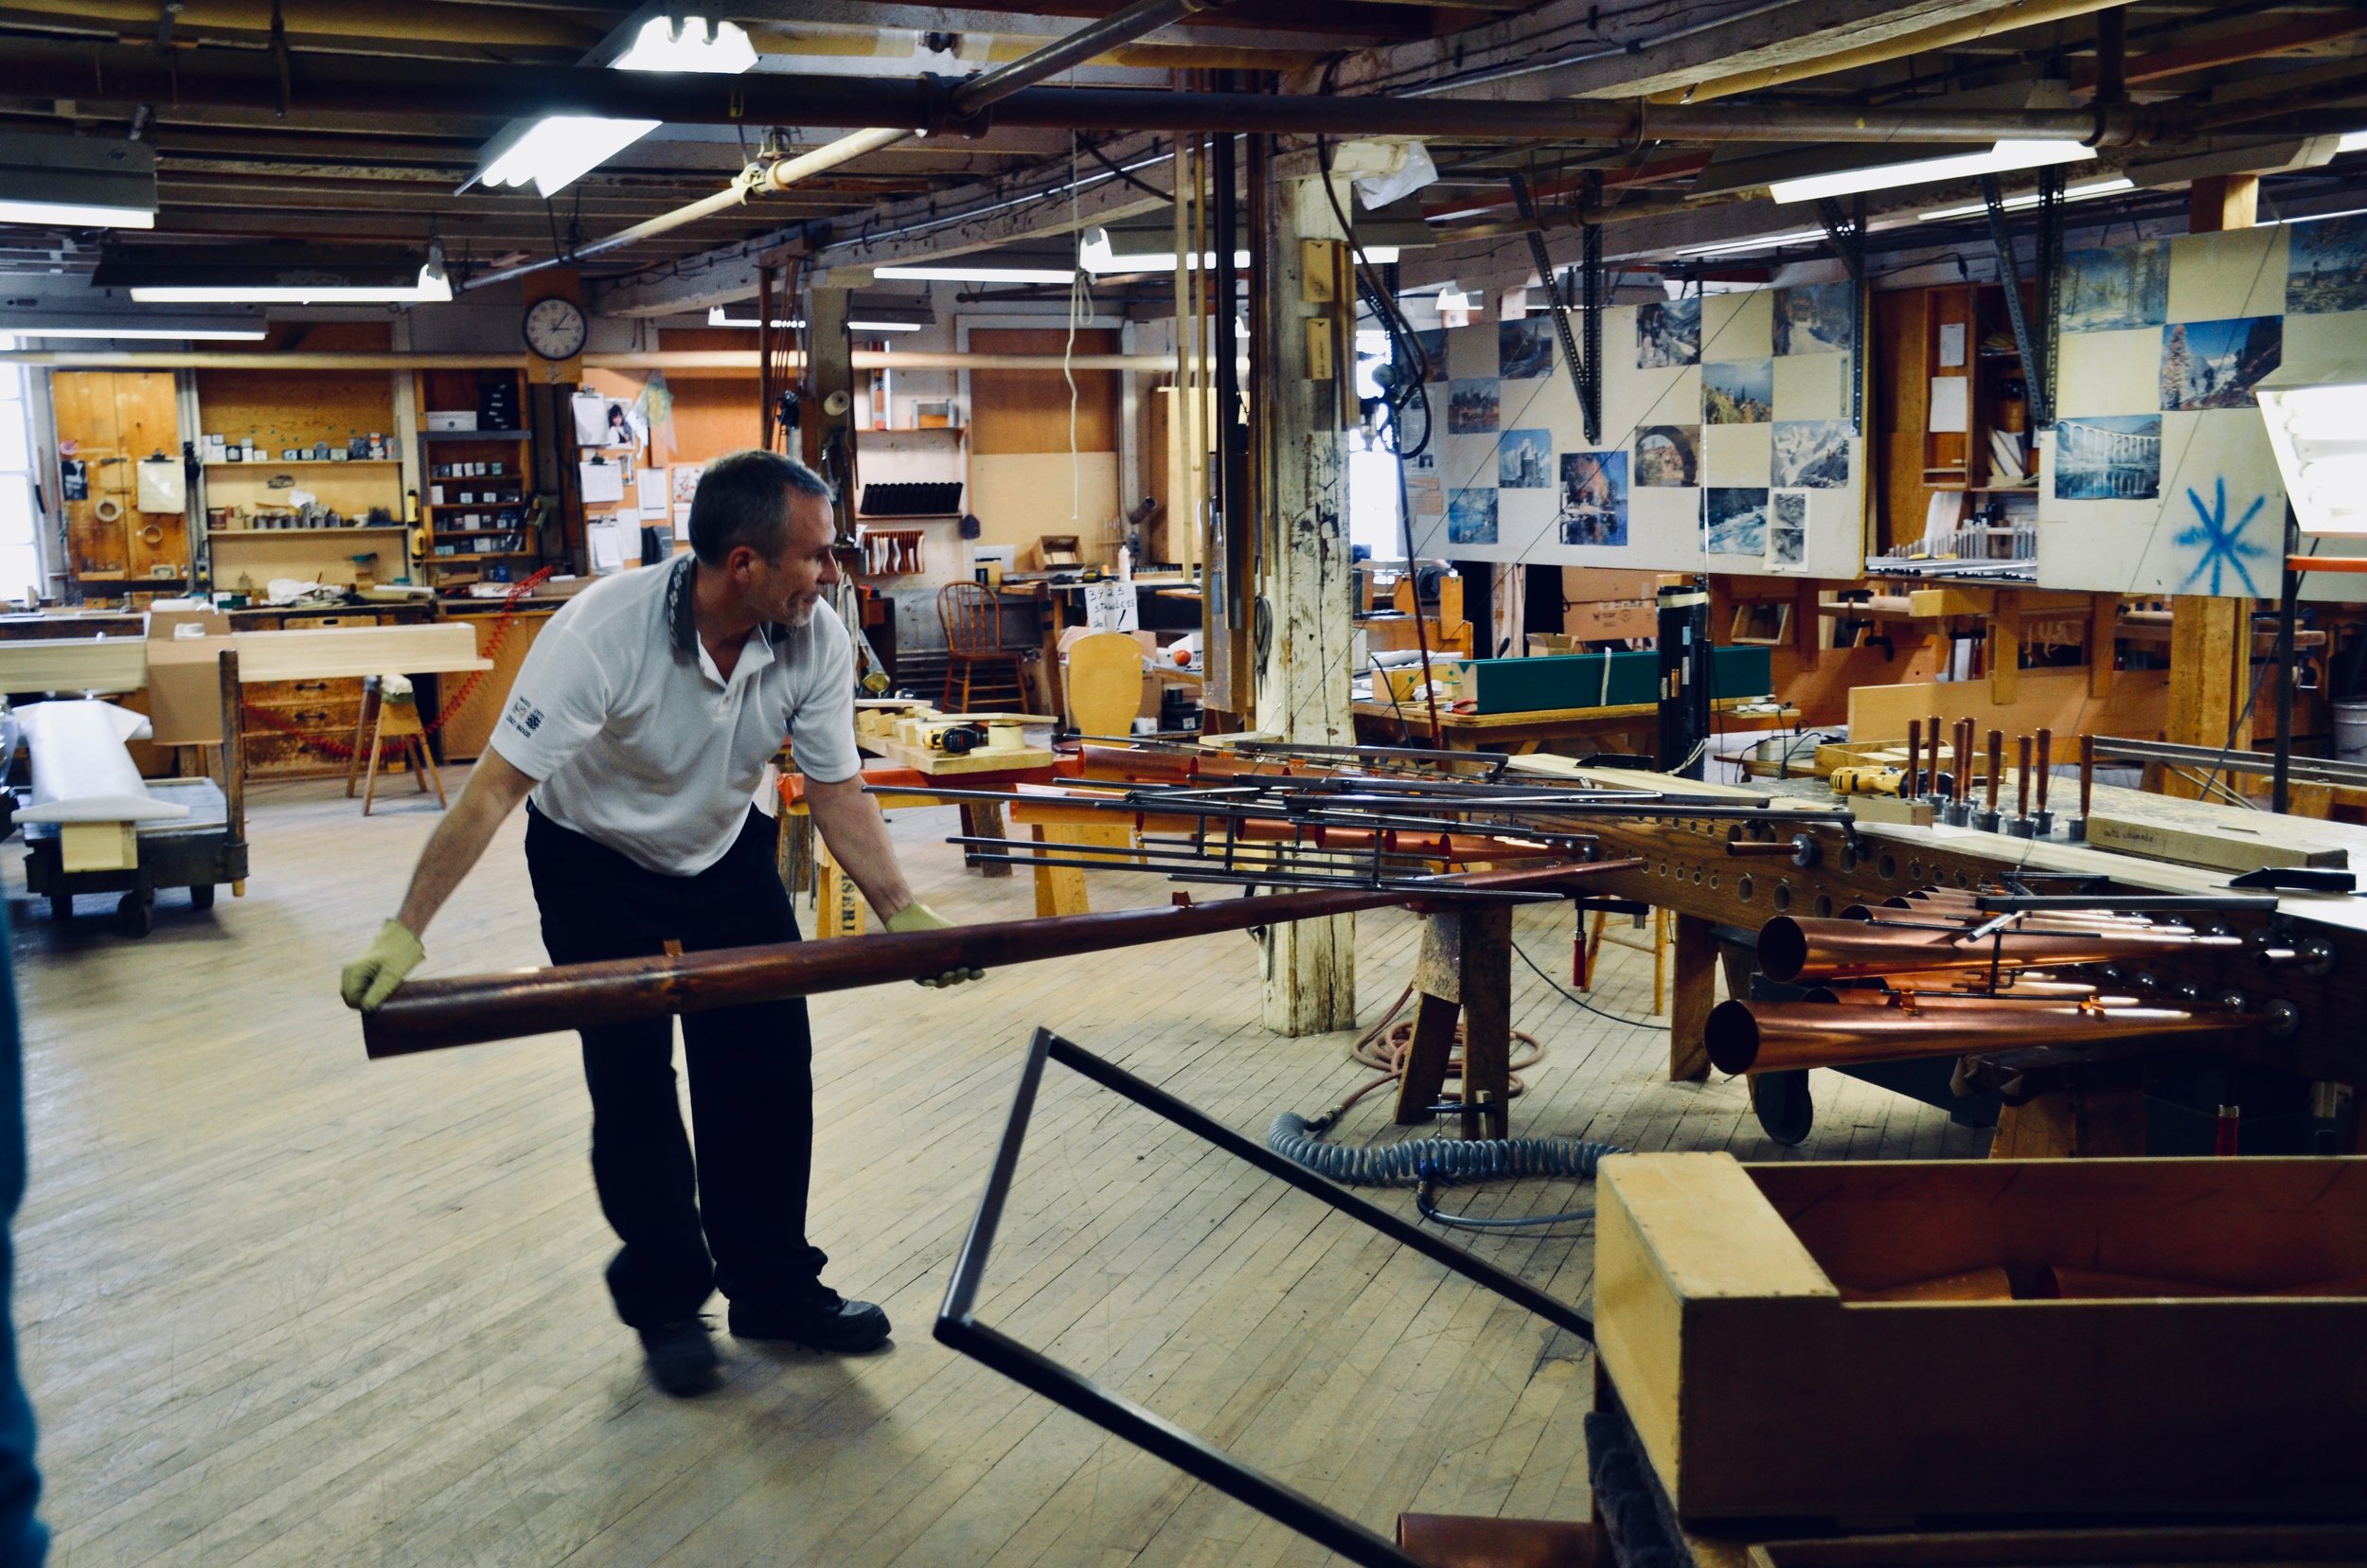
1573, 997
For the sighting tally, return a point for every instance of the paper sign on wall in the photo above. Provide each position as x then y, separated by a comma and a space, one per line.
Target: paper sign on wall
1111, 606
600, 482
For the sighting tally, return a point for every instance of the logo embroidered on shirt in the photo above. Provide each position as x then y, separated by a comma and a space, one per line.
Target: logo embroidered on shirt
525, 716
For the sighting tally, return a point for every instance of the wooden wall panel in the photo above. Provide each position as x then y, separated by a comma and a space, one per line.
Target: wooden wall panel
1028, 410
712, 412
113, 418
294, 408
1898, 397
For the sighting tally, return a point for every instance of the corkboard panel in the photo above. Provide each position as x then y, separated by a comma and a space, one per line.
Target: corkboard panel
1016, 411
294, 408
712, 412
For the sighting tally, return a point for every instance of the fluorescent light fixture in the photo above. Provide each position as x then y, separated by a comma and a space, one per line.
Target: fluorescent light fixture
2352, 141
77, 182
2003, 158
2319, 432
275, 274
223, 329
2029, 199
975, 275
554, 151
1764, 242
557, 150
717, 318
1099, 254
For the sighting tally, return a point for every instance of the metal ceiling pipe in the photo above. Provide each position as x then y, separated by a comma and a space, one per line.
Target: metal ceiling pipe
128, 73
1774, 1037
968, 99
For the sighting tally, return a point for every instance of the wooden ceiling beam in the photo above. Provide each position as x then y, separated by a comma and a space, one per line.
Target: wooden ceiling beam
408, 21
2234, 49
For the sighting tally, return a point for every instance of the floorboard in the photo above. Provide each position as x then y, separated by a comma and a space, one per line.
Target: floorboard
280, 1305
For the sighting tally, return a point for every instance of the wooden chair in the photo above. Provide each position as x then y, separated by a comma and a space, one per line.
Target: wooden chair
1105, 683
974, 655
389, 712
1657, 947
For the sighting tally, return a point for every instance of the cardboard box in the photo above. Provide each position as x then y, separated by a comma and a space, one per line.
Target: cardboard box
1595, 620
1597, 584
185, 649
459, 418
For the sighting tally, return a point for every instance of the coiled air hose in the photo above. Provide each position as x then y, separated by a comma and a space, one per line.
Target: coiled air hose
1445, 1160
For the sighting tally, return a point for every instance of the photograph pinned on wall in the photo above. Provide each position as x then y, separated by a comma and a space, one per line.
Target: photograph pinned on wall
1668, 334
1594, 498
1471, 406
1813, 319
1734, 522
2108, 457
2216, 363
2105, 290
1668, 455
1812, 453
1738, 392
2325, 265
1471, 517
1524, 348
1524, 459
1433, 343
1787, 529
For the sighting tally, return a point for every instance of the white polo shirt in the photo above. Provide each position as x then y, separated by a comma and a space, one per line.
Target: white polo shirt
639, 742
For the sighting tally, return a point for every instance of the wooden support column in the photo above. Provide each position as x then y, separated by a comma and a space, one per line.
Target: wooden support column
2103, 625
1689, 1003
1305, 580
829, 367
2005, 647
2210, 652
2209, 638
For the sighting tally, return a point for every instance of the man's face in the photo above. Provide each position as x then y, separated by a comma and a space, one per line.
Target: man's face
787, 590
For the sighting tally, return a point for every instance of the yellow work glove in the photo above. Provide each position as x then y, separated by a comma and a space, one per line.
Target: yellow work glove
370, 979
920, 917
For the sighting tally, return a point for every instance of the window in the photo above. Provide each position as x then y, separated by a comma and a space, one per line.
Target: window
1372, 467
20, 552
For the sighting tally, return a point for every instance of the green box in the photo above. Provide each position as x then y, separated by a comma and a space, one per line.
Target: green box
1600, 680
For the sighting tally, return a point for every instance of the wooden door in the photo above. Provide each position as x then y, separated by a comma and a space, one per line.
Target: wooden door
108, 421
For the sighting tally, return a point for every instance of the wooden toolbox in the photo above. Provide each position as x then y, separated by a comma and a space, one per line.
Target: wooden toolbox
1758, 1390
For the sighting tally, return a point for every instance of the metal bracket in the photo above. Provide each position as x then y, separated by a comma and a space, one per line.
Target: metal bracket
1586, 371
958, 1328
1846, 231
2009, 273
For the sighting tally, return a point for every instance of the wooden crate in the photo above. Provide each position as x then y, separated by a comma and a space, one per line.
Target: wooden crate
1758, 1391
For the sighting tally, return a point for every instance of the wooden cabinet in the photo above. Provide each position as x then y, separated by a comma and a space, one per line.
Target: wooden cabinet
467, 732
1977, 428
301, 730
475, 485
107, 421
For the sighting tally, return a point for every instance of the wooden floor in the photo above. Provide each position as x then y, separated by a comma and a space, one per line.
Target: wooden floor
280, 1305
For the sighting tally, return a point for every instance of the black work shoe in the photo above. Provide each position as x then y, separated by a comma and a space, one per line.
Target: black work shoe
824, 1320
682, 1357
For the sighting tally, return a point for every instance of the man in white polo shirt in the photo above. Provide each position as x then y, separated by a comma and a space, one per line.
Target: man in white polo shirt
638, 731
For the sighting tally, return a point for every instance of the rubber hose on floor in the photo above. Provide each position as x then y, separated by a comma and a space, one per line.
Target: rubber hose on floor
1294, 1138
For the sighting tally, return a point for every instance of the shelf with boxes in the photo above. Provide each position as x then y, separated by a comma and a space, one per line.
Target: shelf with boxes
474, 463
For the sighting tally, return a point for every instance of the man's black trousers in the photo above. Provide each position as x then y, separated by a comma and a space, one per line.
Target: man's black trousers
735, 1219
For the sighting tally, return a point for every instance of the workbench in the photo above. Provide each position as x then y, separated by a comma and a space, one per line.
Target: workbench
1631, 728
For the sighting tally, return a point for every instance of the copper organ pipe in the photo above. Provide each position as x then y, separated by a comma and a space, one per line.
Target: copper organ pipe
426, 1015
1910, 997
1966, 905
1963, 761
2037, 920
1793, 950
2046, 768
2022, 775
1772, 1037
1914, 755
1932, 785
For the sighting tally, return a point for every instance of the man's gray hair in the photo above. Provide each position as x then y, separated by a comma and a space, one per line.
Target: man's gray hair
743, 499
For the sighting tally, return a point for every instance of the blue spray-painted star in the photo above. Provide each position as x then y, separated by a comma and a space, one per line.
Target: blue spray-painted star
2224, 547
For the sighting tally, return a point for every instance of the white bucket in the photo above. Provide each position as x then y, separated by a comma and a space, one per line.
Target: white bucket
2350, 729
